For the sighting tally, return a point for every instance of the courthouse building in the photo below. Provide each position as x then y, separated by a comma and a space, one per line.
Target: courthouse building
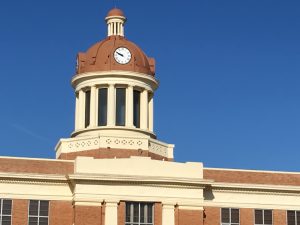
114, 171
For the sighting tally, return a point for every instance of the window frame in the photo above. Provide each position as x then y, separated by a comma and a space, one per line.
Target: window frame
295, 213
230, 222
139, 223
38, 216
1, 210
263, 218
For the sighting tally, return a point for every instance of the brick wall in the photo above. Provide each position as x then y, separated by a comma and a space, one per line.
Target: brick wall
211, 216
88, 215
158, 214
252, 177
15, 165
279, 217
108, 153
121, 213
61, 212
188, 217
20, 212
246, 216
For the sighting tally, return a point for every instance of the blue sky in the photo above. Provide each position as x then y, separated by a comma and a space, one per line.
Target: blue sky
229, 75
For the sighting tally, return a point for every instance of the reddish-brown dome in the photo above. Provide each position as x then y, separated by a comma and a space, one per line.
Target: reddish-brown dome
100, 57
115, 12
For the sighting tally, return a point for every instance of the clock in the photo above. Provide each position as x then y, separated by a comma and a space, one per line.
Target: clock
122, 55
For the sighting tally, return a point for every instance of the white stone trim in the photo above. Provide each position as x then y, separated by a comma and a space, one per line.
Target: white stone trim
111, 213
168, 214
115, 142
134, 77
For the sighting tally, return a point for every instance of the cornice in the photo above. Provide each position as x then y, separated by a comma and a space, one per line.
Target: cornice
258, 188
155, 180
33, 178
76, 79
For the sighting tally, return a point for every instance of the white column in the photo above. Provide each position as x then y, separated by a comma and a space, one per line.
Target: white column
144, 110
111, 213
93, 111
129, 106
76, 111
111, 112
168, 215
81, 110
115, 28
122, 29
108, 29
151, 113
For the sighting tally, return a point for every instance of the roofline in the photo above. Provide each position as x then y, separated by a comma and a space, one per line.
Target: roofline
36, 159
252, 171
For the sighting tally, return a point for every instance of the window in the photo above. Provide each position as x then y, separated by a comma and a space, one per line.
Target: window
5, 211
38, 212
87, 108
263, 217
293, 217
120, 106
139, 213
136, 108
102, 107
230, 216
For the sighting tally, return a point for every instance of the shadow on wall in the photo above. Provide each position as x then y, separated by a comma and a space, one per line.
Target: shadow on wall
208, 194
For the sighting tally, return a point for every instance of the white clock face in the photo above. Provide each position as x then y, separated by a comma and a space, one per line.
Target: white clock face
122, 55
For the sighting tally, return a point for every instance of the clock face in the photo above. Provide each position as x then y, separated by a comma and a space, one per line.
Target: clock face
122, 55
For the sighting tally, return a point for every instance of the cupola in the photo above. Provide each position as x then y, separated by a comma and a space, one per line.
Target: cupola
114, 88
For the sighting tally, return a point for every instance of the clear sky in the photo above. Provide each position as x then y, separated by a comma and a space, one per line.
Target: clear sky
229, 75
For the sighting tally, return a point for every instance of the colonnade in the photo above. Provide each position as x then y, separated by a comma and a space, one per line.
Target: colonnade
145, 112
115, 27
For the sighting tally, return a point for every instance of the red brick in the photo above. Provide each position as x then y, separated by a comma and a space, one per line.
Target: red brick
158, 214
109, 153
211, 216
61, 212
35, 166
121, 213
246, 216
88, 215
187, 217
252, 177
20, 212
279, 217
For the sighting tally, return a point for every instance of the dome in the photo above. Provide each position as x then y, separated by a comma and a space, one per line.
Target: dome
115, 12
100, 57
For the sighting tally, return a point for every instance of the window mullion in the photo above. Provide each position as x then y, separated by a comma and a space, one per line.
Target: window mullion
139, 213
230, 216
1, 200
39, 205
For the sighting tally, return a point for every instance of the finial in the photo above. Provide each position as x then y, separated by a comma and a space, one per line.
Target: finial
115, 20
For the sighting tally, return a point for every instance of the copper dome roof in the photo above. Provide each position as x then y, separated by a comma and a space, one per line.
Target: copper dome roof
100, 57
115, 12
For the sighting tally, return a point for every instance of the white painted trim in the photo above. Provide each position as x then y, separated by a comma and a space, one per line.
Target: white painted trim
261, 187
165, 181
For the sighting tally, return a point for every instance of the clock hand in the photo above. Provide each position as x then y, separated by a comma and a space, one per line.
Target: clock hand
120, 54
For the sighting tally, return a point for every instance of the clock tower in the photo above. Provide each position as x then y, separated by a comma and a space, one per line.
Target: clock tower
114, 89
